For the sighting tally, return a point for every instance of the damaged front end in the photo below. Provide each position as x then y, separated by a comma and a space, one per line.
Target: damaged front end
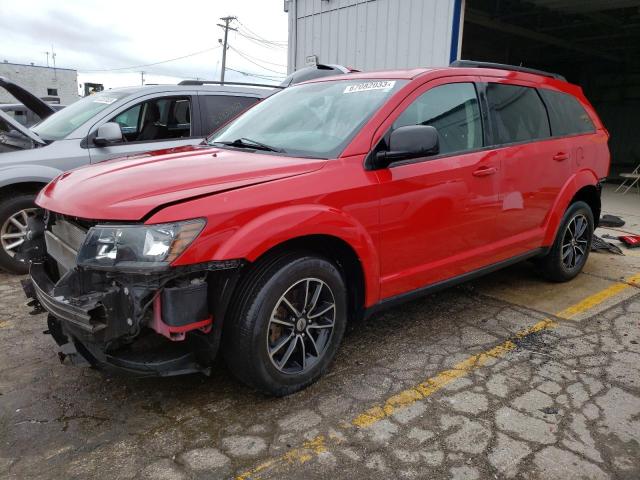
115, 303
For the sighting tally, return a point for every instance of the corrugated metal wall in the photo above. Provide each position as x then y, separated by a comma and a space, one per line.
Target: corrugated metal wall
371, 34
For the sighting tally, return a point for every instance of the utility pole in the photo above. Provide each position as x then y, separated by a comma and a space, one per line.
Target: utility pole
47, 59
141, 78
53, 56
226, 27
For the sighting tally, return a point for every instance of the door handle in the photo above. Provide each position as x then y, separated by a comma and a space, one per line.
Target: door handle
560, 156
484, 171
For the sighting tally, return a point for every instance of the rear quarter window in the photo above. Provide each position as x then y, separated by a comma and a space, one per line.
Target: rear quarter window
567, 115
219, 109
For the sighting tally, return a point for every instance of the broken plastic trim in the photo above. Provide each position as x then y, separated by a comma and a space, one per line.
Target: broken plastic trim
102, 317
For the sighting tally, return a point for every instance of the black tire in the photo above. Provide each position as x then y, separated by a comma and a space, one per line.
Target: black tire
554, 265
248, 329
9, 206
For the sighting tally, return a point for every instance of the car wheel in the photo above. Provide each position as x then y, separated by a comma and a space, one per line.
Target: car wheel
14, 213
286, 323
572, 245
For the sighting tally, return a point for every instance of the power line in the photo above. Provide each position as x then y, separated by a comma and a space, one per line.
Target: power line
258, 37
260, 43
257, 59
255, 63
133, 67
257, 75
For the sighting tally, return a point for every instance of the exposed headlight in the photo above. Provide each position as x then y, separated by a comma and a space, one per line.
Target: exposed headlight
132, 247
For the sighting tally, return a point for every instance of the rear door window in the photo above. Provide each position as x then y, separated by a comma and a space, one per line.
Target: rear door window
453, 110
518, 114
219, 109
567, 115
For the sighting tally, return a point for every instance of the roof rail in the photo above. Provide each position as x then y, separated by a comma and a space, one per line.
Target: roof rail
212, 82
502, 66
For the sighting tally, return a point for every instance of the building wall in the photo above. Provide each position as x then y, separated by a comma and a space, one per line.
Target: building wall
38, 79
374, 34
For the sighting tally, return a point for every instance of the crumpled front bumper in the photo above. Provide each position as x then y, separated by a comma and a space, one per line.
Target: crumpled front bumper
89, 328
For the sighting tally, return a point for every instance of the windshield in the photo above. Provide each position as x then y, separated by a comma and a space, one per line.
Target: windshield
65, 121
312, 120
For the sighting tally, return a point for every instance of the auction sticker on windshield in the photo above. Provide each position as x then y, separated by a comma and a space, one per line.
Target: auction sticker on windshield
366, 86
107, 100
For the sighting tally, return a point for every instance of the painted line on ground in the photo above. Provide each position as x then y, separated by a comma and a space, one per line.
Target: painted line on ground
320, 444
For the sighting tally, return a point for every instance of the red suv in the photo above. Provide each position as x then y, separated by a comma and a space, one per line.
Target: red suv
322, 204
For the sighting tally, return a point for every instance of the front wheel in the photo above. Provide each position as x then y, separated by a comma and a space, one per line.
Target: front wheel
571, 247
286, 323
14, 214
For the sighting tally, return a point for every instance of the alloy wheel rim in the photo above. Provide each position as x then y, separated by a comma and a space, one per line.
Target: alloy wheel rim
575, 242
14, 230
301, 326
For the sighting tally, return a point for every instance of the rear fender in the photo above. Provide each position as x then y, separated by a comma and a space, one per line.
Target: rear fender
263, 233
580, 179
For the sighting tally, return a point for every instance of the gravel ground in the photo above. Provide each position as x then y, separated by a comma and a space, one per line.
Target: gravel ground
469, 383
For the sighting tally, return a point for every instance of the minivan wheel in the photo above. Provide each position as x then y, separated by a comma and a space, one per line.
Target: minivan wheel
14, 213
286, 323
572, 245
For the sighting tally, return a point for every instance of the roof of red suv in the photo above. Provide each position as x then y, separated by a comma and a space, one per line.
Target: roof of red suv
477, 70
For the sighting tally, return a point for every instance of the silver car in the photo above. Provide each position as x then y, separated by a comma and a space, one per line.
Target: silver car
109, 124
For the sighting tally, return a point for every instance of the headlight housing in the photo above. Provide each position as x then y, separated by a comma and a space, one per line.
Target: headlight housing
136, 247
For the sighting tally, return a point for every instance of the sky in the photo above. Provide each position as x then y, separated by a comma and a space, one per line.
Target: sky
112, 42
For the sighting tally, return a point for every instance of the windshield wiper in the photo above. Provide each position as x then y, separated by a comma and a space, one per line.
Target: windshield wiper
248, 143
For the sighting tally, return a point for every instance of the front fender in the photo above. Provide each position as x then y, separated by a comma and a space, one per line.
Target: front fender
580, 179
261, 234
27, 173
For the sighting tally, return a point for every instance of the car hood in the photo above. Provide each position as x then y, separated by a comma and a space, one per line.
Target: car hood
129, 189
29, 100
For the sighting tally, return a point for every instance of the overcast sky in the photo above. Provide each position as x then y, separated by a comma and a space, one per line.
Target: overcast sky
90, 35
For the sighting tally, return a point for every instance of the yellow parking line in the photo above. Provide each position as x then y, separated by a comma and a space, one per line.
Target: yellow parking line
442, 379
300, 455
430, 386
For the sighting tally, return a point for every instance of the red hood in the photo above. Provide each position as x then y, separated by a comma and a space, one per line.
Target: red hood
128, 189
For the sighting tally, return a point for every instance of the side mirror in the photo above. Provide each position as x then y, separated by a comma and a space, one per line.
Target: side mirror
411, 141
108, 133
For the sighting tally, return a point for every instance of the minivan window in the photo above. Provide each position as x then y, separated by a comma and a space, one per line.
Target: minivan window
453, 110
567, 115
315, 120
157, 119
65, 121
518, 114
219, 109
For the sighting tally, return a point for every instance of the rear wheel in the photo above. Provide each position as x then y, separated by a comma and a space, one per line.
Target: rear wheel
14, 214
571, 247
286, 323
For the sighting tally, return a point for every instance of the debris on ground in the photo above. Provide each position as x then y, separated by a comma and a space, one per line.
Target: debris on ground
611, 221
630, 241
601, 245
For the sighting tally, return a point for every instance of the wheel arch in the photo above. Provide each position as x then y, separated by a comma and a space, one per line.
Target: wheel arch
26, 178
584, 185
341, 254
32, 187
590, 194
308, 225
